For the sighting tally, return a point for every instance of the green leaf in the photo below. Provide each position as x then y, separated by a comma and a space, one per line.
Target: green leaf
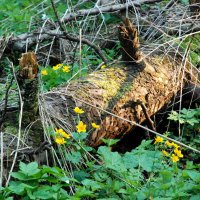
18, 187
146, 162
144, 145
194, 175
192, 121
173, 116
56, 187
19, 176
44, 192
65, 179
74, 157
94, 185
110, 142
141, 195
79, 136
29, 169
83, 192
56, 171
107, 199
166, 176
111, 160
29, 194
130, 160
100, 176
185, 2
190, 165
80, 175
195, 197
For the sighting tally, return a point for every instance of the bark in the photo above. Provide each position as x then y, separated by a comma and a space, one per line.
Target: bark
153, 84
22, 141
133, 90
28, 83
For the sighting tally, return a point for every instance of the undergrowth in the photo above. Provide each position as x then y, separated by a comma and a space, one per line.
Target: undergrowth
154, 170
143, 173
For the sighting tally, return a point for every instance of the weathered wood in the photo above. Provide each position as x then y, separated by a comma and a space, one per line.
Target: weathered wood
129, 40
28, 83
153, 82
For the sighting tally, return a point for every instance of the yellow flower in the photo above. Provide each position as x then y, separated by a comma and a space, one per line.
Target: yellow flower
60, 140
66, 69
174, 158
78, 110
169, 144
158, 139
165, 153
44, 72
57, 66
62, 133
175, 145
94, 125
103, 66
178, 153
81, 127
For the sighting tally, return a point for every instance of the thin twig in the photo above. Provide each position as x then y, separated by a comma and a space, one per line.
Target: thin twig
75, 39
20, 124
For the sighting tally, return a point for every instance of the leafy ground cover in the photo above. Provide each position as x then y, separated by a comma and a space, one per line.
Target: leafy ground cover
144, 173
157, 169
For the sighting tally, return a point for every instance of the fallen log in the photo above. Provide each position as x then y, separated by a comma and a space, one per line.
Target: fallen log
134, 89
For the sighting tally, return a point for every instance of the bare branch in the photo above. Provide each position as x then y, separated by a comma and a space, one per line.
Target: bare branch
43, 34
76, 39
112, 8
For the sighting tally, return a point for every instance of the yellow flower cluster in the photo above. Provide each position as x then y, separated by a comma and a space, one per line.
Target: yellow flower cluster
177, 152
65, 69
103, 66
44, 72
60, 140
165, 152
57, 66
176, 155
172, 144
174, 158
169, 144
158, 139
81, 127
78, 110
61, 135
94, 125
